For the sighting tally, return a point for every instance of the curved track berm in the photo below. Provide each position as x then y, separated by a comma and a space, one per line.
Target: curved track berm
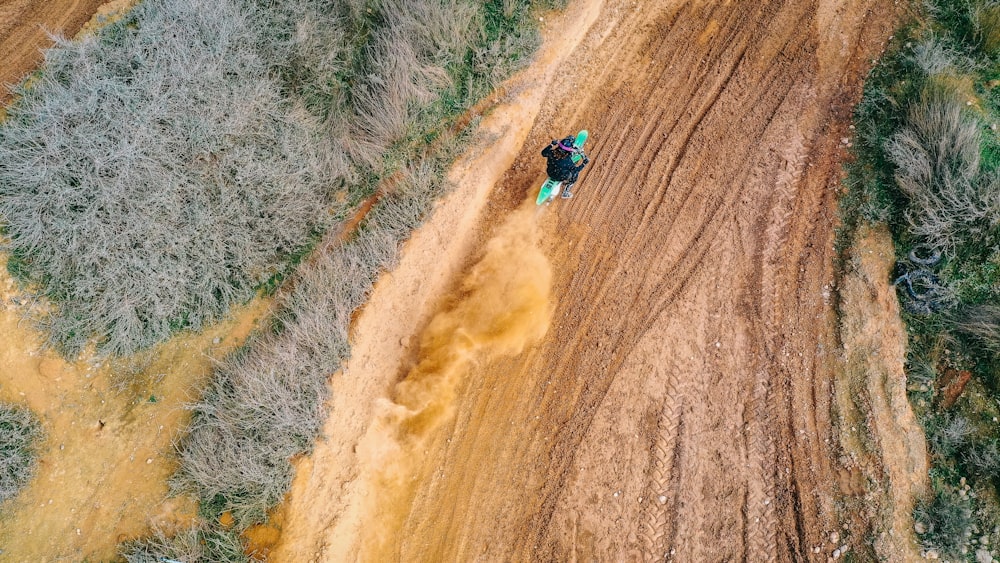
679, 405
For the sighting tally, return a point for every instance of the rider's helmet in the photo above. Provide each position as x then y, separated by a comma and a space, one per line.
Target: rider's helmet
567, 144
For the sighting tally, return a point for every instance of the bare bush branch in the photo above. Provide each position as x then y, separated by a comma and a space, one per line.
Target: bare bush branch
20, 433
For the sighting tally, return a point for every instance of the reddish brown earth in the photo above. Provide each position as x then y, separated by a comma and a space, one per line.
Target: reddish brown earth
679, 405
645, 372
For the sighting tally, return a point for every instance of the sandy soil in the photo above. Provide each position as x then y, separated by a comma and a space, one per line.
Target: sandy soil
24, 29
679, 405
883, 445
110, 429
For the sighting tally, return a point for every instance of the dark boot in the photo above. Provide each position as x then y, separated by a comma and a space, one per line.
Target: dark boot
566, 193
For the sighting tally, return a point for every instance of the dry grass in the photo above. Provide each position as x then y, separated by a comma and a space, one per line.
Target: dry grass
988, 24
981, 322
148, 189
20, 432
195, 545
937, 160
266, 404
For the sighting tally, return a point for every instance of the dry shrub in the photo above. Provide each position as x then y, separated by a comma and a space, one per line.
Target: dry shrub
20, 433
266, 403
933, 56
154, 176
195, 545
372, 72
937, 159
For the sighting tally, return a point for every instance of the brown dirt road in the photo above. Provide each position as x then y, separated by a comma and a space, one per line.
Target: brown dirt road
679, 406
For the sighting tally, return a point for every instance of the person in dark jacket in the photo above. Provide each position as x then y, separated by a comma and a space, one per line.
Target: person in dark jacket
560, 166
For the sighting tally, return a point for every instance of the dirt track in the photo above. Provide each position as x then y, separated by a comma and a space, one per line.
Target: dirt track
679, 405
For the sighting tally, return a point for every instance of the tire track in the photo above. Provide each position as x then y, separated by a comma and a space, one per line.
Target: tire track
675, 253
759, 510
661, 489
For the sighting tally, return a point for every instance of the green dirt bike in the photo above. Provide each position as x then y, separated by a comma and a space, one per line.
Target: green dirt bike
550, 189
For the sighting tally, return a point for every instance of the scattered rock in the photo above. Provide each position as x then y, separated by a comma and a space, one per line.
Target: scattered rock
983, 556
919, 527
834, 537
662, 499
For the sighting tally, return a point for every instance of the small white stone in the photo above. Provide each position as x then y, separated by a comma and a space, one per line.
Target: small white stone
834, 537
149, 460
662, 499
614, 495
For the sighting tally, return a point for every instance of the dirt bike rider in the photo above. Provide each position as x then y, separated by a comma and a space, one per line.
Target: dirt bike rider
560, 166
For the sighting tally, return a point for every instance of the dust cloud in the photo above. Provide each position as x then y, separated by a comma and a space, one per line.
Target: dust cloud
503, 306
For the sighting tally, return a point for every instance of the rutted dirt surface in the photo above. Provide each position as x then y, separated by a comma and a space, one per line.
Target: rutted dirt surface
679, 405
24, 29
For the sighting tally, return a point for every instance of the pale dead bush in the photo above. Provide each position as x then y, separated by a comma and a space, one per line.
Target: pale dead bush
20, 433
266, 403
154, 176
199, 544
937, 159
